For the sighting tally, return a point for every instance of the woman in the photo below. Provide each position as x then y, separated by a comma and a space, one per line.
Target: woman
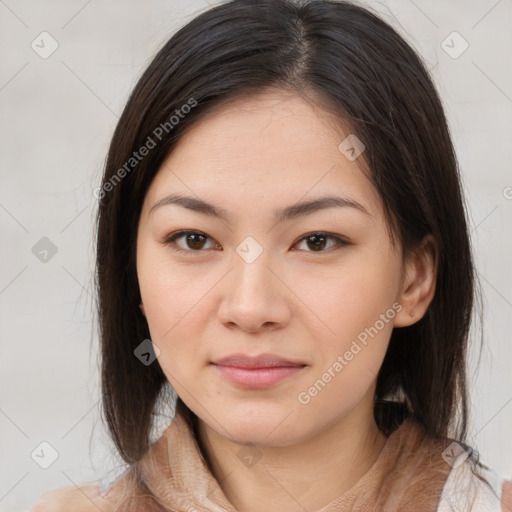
282, 241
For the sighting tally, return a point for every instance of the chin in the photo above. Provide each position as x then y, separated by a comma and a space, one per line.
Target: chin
261, 425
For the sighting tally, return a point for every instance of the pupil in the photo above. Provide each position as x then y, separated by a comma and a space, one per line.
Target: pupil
195, 243
317, 245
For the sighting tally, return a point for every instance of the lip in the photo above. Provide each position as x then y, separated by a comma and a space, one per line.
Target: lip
260, 361
257, 372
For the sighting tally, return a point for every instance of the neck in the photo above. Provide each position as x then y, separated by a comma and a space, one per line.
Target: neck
311, 473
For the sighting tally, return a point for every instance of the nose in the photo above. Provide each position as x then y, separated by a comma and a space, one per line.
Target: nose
255, 297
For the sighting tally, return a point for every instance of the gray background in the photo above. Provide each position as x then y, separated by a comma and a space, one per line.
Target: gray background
57, 115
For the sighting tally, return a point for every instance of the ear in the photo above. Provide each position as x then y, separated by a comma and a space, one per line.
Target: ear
141, 306
418, 283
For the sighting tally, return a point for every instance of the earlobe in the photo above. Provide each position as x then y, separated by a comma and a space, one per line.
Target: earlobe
141, 306
419, 283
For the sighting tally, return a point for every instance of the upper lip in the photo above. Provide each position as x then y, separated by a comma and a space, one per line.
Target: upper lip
261, 361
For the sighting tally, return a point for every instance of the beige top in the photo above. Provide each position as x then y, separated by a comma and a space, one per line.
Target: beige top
409, 475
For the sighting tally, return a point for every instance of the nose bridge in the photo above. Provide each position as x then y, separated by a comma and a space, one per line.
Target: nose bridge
252, 262
253, 296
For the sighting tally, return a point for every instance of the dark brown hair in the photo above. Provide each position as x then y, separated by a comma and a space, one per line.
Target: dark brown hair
356, 65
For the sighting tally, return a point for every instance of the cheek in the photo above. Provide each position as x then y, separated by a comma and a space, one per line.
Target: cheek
175, 320
353, 296
168, 290
172, 302
355, 305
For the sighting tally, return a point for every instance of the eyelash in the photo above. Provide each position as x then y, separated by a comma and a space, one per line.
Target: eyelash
171, 240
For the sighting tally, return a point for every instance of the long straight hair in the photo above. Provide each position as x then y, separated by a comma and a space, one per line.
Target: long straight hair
356, 65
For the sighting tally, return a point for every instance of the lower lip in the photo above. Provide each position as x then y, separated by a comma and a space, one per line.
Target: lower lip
257, 378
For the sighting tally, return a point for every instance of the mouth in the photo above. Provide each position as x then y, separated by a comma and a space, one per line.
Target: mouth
257, 372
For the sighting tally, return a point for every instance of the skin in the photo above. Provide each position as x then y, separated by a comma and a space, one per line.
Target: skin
204, 302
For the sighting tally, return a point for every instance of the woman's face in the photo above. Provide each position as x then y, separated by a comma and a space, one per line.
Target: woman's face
315, 287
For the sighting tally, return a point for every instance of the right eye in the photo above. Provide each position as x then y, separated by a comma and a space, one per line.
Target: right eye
193, 241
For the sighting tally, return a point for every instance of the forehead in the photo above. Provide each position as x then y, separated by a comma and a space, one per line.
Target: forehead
275, 146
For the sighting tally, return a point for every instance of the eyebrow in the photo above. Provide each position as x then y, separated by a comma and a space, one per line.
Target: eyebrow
280, 215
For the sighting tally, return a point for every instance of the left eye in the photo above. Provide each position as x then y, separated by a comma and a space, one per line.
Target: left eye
194, 241
319, 241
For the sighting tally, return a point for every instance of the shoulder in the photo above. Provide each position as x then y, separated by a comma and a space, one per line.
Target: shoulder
83, 498
466, 491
